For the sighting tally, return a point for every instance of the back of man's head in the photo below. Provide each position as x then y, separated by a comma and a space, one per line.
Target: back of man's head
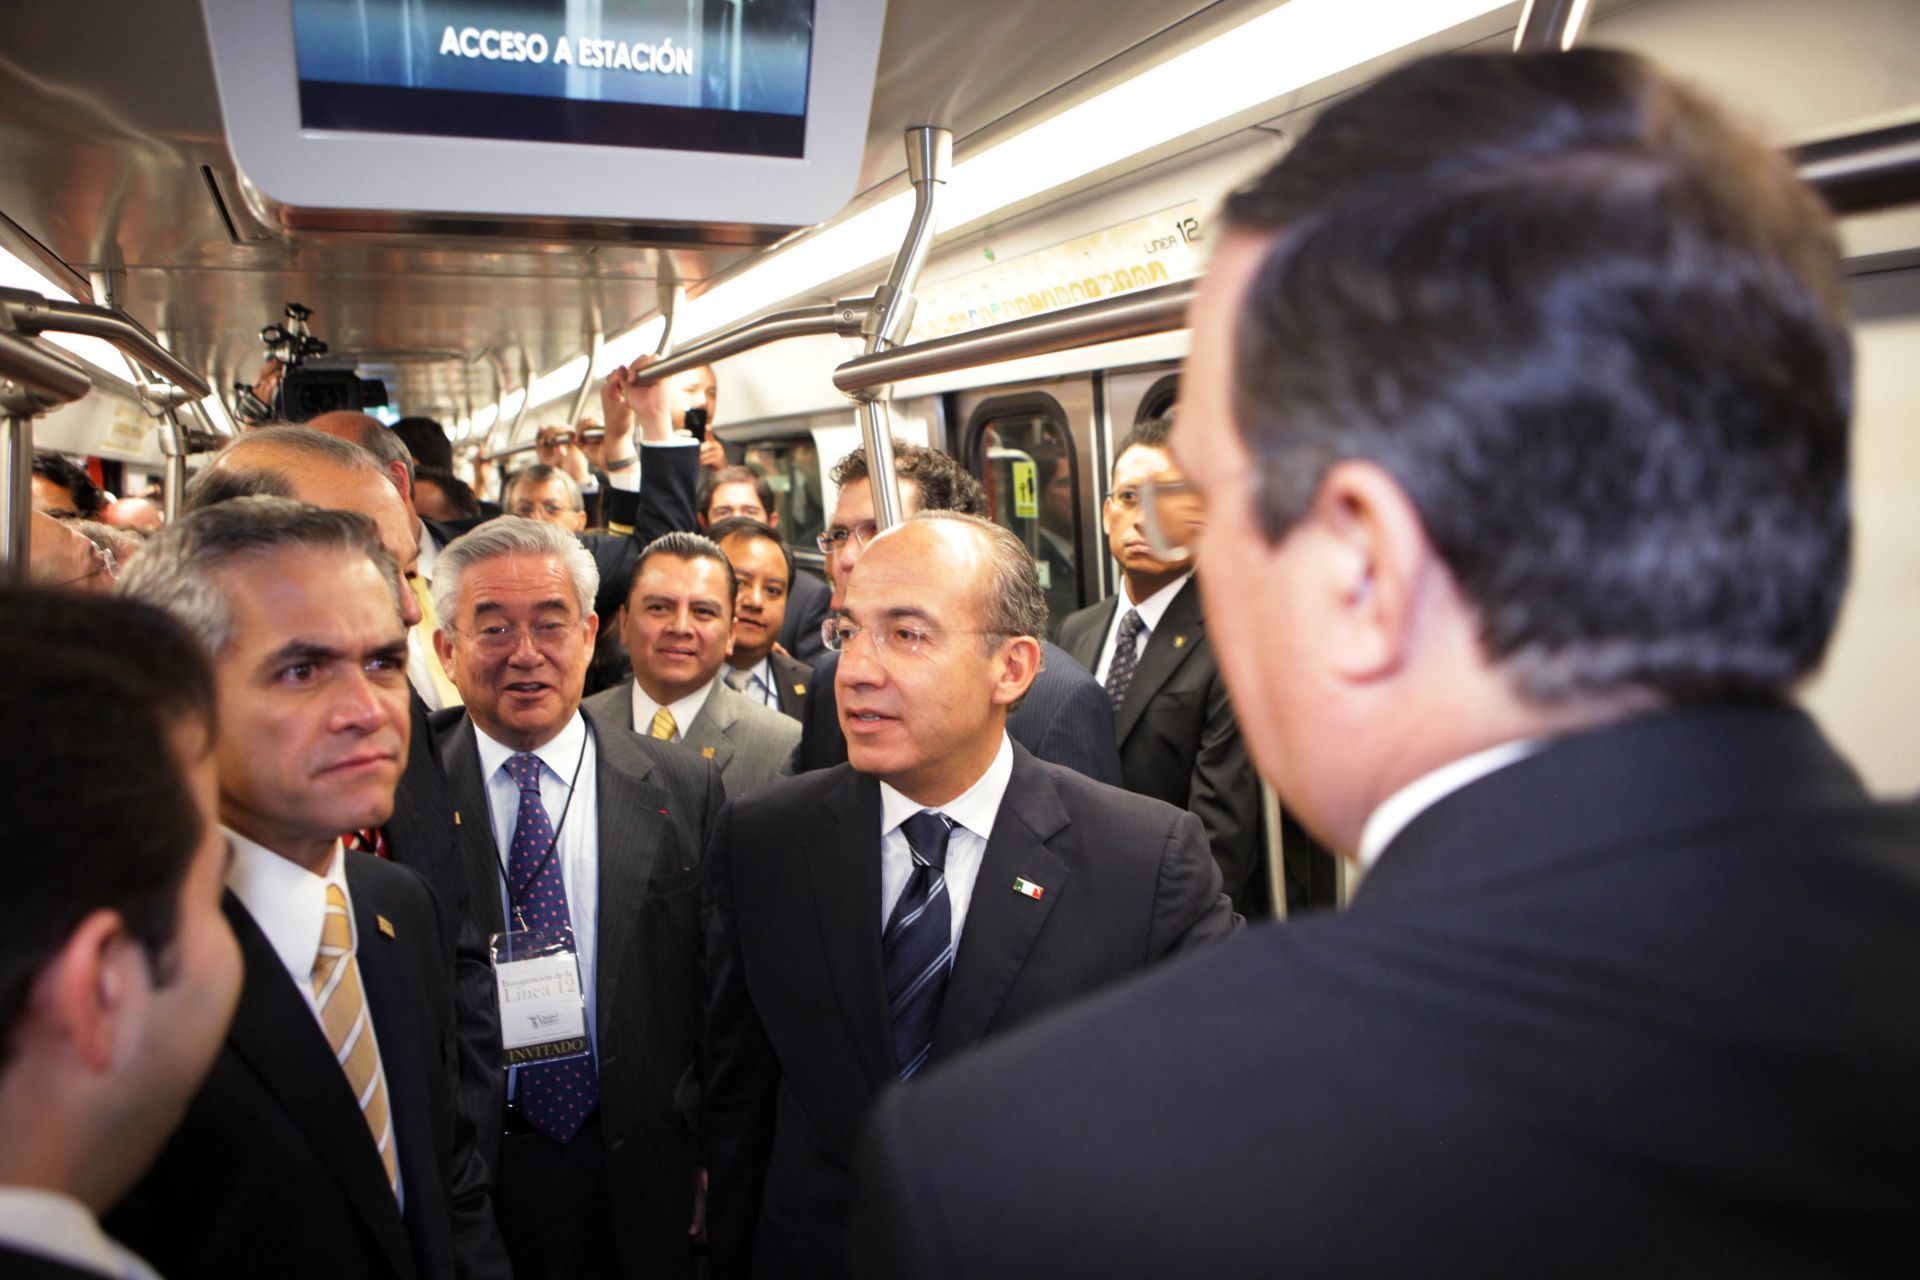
940, 482
267, 463
426, 440
1597, 335
371, 434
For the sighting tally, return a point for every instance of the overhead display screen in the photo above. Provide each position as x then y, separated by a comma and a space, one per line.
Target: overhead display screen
716, 76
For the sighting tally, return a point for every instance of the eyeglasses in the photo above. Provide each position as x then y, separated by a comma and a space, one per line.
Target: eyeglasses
529, 510
833, 539
896, 637
498, 637
101, 562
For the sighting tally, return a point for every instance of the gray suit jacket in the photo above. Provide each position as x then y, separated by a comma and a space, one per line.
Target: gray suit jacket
747, 742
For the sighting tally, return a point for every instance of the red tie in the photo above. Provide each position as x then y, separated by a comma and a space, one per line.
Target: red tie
372, 840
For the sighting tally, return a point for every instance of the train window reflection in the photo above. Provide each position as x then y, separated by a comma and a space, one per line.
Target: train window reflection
792, 467
1025, 458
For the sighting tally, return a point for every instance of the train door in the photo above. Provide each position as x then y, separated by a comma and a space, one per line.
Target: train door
1033, 449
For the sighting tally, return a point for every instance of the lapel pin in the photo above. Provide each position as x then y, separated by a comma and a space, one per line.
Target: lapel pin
1179, 642
1027, 887
386, 925
707, 752
456, 817
800, 690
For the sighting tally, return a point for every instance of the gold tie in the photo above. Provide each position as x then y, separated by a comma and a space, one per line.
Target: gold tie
428, 624
343, 1011
663, 724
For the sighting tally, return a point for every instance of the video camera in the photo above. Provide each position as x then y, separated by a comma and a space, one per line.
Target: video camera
309, 385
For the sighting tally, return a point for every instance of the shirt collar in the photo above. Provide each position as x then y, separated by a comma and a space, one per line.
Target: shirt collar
1155, 606
1393, 814
286, 900
684, 711
975, 808
57, 1226
561, 754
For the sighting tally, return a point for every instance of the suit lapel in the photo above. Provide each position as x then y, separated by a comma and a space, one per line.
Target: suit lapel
793, 679
843, 861
473, 831
708, 734
632, 830
1002, 924
275, 1032
1087, 640
1168, 646
395, 1005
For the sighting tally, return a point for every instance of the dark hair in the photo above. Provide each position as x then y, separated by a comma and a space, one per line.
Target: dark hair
1015, 603
686, 546
466, 505
223, 480
99, 813
215, 485
379, 440
942, 483
88, 501
735, 475
1598, 336
427, 441
1149, 433
747, 527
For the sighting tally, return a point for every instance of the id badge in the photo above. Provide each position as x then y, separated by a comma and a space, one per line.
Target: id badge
543, 1013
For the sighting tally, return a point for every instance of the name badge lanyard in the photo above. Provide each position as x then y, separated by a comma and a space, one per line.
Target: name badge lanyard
513, 899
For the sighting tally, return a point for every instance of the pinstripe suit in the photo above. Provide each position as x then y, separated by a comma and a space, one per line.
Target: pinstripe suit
1064, 719
746, 741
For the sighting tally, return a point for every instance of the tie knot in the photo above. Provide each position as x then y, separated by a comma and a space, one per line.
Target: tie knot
927, 833
1132, 625
525, 770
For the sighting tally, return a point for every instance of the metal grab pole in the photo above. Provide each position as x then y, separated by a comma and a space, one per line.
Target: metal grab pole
16, 490
32, 314
33, 379
843, 317
1550, 26
929, 160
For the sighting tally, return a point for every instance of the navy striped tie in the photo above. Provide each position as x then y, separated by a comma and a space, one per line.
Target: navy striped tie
917, 947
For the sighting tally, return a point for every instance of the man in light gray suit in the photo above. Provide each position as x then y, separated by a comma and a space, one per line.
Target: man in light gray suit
678, 627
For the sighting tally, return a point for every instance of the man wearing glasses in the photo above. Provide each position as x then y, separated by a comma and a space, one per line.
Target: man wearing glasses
1064, 719
877, 918
1179, 741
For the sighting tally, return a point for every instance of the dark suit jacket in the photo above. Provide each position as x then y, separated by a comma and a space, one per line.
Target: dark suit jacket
273, 1171
421, 835
809, 601
796, 683
1064, 719
799, 1041
1641, 1004
18, 1264
1179, 741
657, 805
748, 742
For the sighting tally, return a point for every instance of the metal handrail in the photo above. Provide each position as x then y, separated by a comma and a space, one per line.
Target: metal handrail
1862, 172
46, 370
32, 314
1550, 26
842, 317
1131, 315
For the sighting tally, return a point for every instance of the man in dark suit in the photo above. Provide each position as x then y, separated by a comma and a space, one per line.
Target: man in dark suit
1065, 717
678, 626
574, 828
329, 1116
743, 493
763, 568
1519, 401
1179, 741
942, 887
118, 972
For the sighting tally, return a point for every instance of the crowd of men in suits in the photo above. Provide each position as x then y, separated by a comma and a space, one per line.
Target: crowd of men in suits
1513, 456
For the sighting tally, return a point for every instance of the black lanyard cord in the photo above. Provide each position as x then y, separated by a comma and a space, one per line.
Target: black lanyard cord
553, 843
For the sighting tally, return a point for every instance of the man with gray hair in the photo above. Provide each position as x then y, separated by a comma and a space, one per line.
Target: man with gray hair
962, 887
582, 849
335, 1089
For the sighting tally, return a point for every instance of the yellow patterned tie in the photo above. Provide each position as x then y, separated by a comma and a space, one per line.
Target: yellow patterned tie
428, 624
663, 725
343, 1011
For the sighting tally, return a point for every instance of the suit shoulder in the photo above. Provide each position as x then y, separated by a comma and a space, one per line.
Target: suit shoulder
446, 720
783, 800
1081, 620
765, 722
390, 886
606, 703
1091, 801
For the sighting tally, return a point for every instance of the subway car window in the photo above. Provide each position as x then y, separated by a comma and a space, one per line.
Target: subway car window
1159, 400
792, 467
1024, 456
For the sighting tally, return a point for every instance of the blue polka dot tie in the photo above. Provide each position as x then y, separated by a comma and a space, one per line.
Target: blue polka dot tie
555, 1097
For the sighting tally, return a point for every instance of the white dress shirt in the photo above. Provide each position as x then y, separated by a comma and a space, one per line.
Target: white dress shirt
571, 751
683, 711
760, 685
419, 636
972, 812
289, 903
1151, 610
59, 1227
1393, 814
